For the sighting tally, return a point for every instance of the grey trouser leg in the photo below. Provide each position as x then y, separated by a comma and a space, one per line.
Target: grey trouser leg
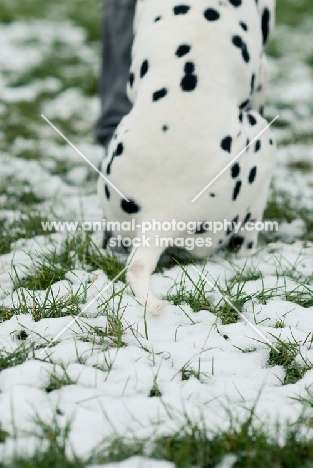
117, 39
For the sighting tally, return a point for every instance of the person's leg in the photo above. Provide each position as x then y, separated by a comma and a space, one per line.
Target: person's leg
117, 39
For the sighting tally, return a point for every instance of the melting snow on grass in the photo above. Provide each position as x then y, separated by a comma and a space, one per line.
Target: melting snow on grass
114, 371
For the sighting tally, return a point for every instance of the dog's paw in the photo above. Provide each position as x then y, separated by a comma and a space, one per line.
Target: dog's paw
155, 306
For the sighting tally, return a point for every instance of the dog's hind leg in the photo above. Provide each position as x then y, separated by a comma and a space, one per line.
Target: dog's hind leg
141, 264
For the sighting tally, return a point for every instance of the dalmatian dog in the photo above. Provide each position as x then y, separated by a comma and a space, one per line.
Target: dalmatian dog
197, 84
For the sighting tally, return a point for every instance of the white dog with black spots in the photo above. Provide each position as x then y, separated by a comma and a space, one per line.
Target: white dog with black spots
197, 83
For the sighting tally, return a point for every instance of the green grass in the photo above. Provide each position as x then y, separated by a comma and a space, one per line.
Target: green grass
5, 313
193, 292
15, 358
191, 445
51, 452
187, 371
78, 251
303, 298
26, 226
196, 296
194, 445
301, 165
59, 380
3, 435
110, 336
293, 13
155, 391
49, 306
61, 61
281, 207
17, 193
285, 356
85, 15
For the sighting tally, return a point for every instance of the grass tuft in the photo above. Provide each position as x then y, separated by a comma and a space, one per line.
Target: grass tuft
195, 296
155, 391
76, 252
15, 358
285, 356
281, 207
27, 226
58, 381
194, 445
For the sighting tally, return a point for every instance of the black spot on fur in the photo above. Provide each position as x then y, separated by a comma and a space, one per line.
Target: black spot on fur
130, 207
245, 53
189, 83
165, 128
189, 68
236, 242
201, 229
244, 104
220, 241
266, 17
226, 144
235, 170
157, 95
157, 19
107, 192
190, 80
240, 116
131, 79
244, 26
212, 195
181, 9
211, 14
119, 150
250, 245
247, 218
252, 175
106, 237
144, 68
271, 141
240, 44
252, 120
252, 83
183, 50
235, 3
257, 146
229, 230
108, 171
237, 190
261, 110
230, 227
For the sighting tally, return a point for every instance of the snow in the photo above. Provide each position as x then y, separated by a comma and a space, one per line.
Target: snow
139, 462
110, 393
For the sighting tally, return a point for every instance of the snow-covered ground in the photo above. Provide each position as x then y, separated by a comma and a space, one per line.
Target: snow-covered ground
146, 379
